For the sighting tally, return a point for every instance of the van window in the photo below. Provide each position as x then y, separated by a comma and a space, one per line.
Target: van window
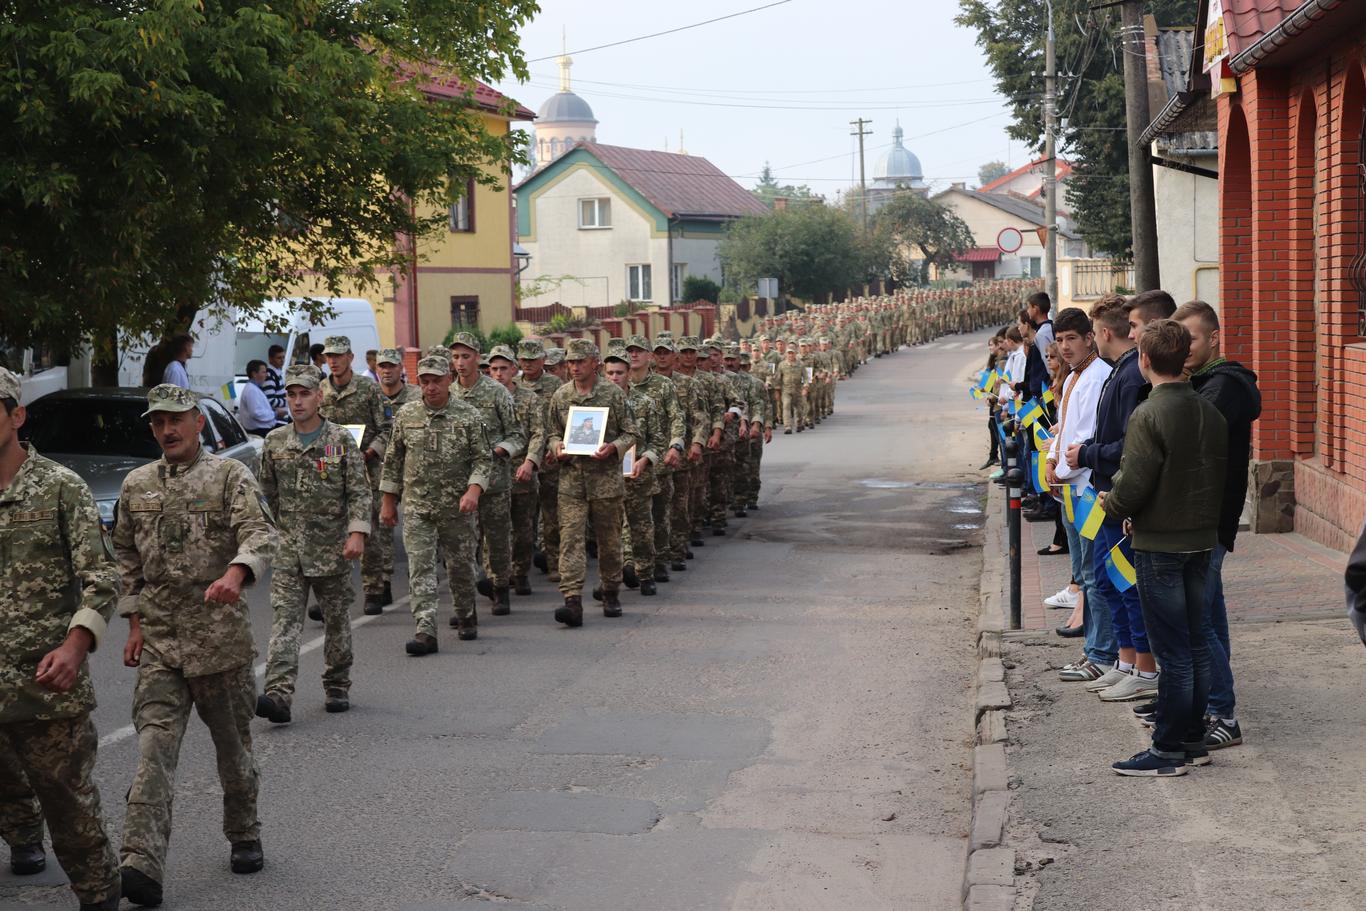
229, 431
253, 346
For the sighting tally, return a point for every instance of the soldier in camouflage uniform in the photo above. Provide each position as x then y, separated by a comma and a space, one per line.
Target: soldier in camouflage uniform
662, 393
191, 532
760, 433
352, 399
712, 401
697, 426
438, 448
394, 394
791, 380
530, 413
57, 592
505, 434
723, 463
313, 478
637, 535
534, 358
591, 486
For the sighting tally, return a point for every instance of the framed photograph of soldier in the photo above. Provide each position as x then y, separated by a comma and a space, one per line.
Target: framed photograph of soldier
357, 431
810, 372
585, 430
628, 462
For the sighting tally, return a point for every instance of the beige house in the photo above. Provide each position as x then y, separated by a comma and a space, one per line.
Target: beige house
987, 215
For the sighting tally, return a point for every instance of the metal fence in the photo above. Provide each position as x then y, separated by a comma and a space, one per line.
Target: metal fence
1096, 278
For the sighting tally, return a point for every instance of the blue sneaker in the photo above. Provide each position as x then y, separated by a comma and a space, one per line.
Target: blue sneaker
1147, 765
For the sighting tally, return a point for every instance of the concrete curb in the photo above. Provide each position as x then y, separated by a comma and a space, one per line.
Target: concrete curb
989, 874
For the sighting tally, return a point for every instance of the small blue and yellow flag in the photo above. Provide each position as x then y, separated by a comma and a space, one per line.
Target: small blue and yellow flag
1069, 509
1039, 473
1032, 412
1042, 438
1088, 515
229, 390
1120, 568
1048, 397
976, 393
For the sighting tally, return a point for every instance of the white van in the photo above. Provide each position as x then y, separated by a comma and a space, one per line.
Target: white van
222, 349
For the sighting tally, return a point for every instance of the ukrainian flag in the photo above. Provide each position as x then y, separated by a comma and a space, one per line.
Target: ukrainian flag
1087, 514
1048, 397
1042, 438
1031, 414
1068, 508
1119, 567
229, 390
1040, 476
976, 393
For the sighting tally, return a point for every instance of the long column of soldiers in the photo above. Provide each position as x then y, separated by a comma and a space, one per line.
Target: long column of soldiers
484, 470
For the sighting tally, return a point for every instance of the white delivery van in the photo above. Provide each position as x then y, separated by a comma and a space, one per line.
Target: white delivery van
223, 348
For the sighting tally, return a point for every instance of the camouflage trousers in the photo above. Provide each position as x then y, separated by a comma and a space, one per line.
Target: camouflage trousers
428, 539
639, 541
661, 506
162, 700
697, 503
550, 519
289, 590
495, 534
792, 410
747, 456
721, 480
680, 521
57, 758
577, 511
525, 505
377, 564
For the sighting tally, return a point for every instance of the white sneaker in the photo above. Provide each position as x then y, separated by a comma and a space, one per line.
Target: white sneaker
1111, 677
1065, 598
1130, 688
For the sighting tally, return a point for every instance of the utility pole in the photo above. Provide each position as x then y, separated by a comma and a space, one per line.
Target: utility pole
1143, 210
860, 132
1050, 152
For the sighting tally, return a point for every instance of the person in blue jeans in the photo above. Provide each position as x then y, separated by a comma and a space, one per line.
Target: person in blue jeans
1231, 388
1168, 494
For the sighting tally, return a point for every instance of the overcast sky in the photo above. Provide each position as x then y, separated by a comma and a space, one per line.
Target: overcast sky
779, 85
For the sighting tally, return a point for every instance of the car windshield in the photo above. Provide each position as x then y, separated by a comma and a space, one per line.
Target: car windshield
105, 427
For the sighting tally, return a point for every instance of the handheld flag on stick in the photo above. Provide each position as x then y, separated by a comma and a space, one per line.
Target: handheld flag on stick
1068, 506
1120, 568
1040, 473
1088, 514
229, 391
1048, 397
1032, 413
1042, 438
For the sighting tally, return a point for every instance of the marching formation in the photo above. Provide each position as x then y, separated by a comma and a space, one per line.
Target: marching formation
495, 463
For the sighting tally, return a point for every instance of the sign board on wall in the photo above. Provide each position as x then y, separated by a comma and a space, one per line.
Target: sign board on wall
1216, 36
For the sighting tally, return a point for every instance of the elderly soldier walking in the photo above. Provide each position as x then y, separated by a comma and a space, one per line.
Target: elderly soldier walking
439, 449
313, 478
57, 592
525, 492
352, 399
591, 487
394, 394
505, 434
532, 356
191, 532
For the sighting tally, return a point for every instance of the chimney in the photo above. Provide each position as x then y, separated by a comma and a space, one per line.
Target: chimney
959, 185
780, 204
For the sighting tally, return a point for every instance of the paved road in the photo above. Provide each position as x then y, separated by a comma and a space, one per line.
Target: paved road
786, 726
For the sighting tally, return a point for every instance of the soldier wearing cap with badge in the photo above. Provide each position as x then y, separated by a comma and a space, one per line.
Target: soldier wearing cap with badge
591, 487
394, 393
57, 592
664, 399
713, 401
530, 412
533, 357
438, 448
697, 425
191, 532
352, 399
555, 364
313, 478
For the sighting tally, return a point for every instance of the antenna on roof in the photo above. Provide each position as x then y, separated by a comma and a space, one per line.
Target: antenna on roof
681, 150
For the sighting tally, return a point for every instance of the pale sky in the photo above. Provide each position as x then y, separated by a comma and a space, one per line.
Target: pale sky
779, 85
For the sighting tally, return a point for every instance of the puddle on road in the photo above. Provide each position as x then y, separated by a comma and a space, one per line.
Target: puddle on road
968, 526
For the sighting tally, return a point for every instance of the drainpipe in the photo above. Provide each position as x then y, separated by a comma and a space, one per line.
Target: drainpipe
1301, 20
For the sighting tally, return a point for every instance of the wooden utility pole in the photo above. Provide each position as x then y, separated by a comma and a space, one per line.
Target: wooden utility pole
860, 132
1143, 210
1050, 153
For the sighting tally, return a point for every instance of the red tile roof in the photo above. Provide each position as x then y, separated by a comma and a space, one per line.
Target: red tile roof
678, 185
980, 255
437, 83
1064, 169
1246, 21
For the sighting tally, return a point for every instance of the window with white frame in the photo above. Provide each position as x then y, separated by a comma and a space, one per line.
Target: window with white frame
462, 210
638, 282
680, 272
1033, 266
595, 213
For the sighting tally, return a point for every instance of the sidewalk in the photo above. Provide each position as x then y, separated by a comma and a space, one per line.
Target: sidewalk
1272, 824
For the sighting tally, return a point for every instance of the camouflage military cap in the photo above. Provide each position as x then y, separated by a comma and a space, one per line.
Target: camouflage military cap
389, 356
305, 375
337, 344
554, 356
466, 340
804, 340
171, 398
731, 350
580, 349
745, 358
823, 340
437, 351
530, 349
689, 343
504, 352
665, 342
616, 351
712, 342
638, 341
434, 365
9, 385
665, 333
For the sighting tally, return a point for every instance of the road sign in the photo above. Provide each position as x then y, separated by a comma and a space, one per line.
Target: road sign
1010, 240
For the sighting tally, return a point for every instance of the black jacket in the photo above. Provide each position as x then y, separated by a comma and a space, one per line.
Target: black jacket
1036, 375
1123, 390
1232, 388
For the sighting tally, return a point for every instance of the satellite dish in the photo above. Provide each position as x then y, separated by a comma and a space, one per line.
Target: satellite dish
1010, 240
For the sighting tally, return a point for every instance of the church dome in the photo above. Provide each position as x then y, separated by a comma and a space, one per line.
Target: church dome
565, 106
899, 165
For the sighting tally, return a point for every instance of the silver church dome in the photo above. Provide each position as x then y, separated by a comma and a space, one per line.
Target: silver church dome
565, 106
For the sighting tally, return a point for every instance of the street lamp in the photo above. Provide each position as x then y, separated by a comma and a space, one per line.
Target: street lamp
522, 256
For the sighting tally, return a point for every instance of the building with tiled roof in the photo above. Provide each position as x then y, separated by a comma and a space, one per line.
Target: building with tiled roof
987, 214
612, 224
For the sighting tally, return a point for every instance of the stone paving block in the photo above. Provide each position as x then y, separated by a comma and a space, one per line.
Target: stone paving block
992, 695
990, 898
991, 867
991, 727
989, 771
991, 670
989, 814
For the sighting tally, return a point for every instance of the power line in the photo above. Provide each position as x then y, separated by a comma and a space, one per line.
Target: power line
780, 106
702, 91
681, 28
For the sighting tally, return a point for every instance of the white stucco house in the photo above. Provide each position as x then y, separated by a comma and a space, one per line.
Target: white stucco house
986, 214
608, 224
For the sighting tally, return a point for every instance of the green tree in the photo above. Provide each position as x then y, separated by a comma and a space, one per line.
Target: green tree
159, 158
811, 250
1090, 91
768, 189
700, 288
918, 232
990, 171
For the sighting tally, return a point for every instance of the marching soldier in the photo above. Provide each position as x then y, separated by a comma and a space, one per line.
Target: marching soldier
697, 424
664, 397
394, 394
533, 357
792, 382
525, 491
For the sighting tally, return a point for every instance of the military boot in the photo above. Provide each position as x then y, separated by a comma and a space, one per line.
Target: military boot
647, 587
247, 856
109, 904
484, 586
628, 575
337, 701
502, 601
538, 560
571, 614
421, 644
388, 597
467, 630
611, 606
315, 612
521, 585
374, 603
272, 708
27, 860
139, 888
679, 566
597, 593
661, 574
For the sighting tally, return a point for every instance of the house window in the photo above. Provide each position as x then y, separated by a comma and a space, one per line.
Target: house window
638, 282
462, 210
1033, 266
464, 312
595, 213
680, 271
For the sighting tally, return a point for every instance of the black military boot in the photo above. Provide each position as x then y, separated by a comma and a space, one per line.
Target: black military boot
754, 507
315, 612
611, 606
679, 566
374, 603
27, 860
597, 593
628, 575
740, 512
272, 708
421, 644
467, 630
696, 540
502, 601
109, 904
538, 561
718, 532
388, 595
484, 585
247, 856
337, 701
571, 615
647, 587
661, 575
521, 585
139, 888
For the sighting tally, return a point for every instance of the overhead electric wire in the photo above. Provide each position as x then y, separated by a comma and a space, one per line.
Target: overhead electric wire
671, 31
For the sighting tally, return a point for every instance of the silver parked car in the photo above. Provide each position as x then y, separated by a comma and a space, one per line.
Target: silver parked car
101, 435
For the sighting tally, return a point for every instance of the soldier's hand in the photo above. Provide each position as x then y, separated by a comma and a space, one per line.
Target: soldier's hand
672, 459
132, 649
715, 442
695, 452
768, 434
729, 416
558, 451
371, 455
354, 546
58, 669
388, 511
470, 501
638, 469
754, 431
525, 472
744, 428
605, 452
227, 588
499, 452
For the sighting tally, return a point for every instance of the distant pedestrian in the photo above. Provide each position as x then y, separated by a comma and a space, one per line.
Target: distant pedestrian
274, 385
181, 348
253, 408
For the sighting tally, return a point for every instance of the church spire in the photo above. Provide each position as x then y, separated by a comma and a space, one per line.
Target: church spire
565, 62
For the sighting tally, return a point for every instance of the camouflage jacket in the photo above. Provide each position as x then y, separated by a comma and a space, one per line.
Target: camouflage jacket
494, 404
598, 479
673, 424
392, 403
791, 377
651, 441
713, 398
360, 402
756, 408
544, 386
54, 575
319, 494
435, 455
530, 411
695, 414
735, 397
179, 528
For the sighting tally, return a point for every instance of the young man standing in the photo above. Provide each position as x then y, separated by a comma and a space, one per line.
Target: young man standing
253, 407
182, 349
638, 546
394, 393
1037, 307
274, 385
1169, 490
1232, 388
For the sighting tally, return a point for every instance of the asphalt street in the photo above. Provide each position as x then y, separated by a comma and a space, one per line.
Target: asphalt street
787, 725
